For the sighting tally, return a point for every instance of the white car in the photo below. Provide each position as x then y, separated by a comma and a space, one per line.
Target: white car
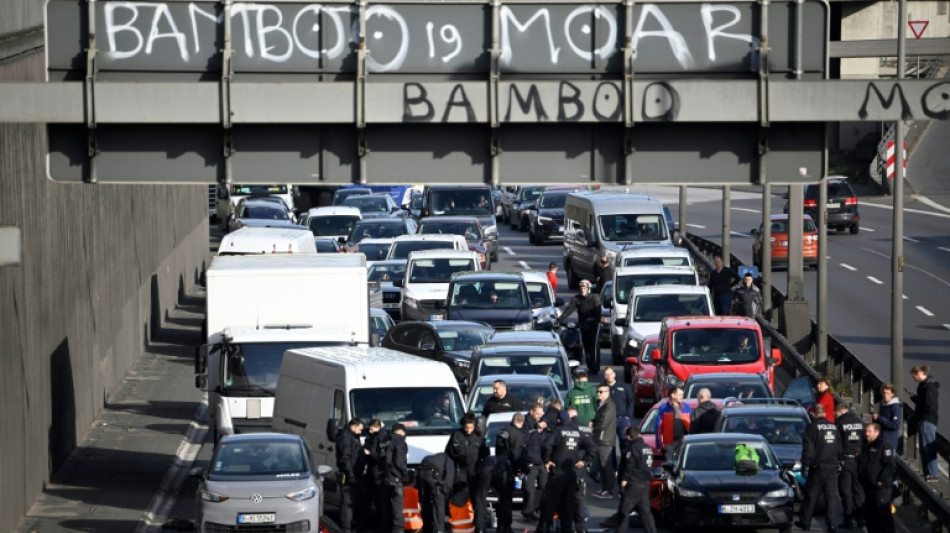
333, 222
544, 305
405, 244
650, 305
426, 282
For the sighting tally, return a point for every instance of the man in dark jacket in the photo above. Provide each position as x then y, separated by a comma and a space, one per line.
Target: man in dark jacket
747, 299
604, 271
436, 479
888, 415
396, 469
510, 442
925, 419
821, 451
721, 280
566, 456
705, 415
501, 401
588, 310
604, 428
374, 451
623, 401
876, 471
536, 475
851, 431
636, 472
348, 451
466, 447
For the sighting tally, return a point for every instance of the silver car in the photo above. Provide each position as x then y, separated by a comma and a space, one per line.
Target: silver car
260, 479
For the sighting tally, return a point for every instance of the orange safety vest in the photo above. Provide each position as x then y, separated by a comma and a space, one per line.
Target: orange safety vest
411, 512
462, 519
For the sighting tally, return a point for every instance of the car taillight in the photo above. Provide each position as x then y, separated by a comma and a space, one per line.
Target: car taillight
851, 201
811, 203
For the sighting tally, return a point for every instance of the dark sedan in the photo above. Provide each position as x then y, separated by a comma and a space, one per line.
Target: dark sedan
449, 341
500, 300
704, 489
380, 228
547, 220
374, 205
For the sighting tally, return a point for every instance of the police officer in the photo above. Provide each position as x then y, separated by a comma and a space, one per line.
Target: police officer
374, 452
851, 430
395, 470
876, 472
348, 450
436, 479
566, 457
821, 451
510, 442
636, 472
536, 475
494, 472
509, 449
466, 447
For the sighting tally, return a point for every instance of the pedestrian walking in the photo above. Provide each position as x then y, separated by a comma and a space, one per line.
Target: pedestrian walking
566, 457
674, 422
348, 451
436, 479
604, 427
705, 417
876, 471
552, 276
582, 397
821, 451
721, 280
636, 473
888, 414
747, 299
925, 419
604, 271
851, 431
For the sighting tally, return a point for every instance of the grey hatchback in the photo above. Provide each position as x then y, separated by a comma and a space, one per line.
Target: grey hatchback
260, 479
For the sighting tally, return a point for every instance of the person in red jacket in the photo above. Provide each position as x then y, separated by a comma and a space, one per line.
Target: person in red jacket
825, 398
552, 276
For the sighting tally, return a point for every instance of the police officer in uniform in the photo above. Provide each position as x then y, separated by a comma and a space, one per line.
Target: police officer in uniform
395, 470
348, 450
510, 442
851, 429
436, 479
636, 472
494, 472
467, 447
566, 457
876, 472
374, 451
821, 451
536, 475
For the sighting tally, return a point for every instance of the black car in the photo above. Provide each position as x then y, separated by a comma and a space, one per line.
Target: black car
343, 194
721, 385
498, 299
449, 341
841, 209
380, 228
547, 219
539, 359
703, 488
327, 246
521, 204
374, 205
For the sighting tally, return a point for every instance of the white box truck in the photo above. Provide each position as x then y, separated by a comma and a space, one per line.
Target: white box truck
258, 307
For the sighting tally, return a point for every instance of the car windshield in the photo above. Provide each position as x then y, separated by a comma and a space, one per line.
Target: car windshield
254, 367
264, 212
343, 194
332, 225
632, 227
656, 307
380, 324
552, 366
402, 249
465, 229
464, 338
552, 201
257, 190
368, 204
375, 251
656, 261
325, 246
259, 457
715, 456
781, 226
423, 410
539, 291
730, 389
528, 394
711, 346
627, 282
835, 190
461, 202
526, 194
366, 229
386, 272
488, 295
775, 429
438, 270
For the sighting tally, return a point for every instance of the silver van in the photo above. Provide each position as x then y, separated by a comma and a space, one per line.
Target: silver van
598, 223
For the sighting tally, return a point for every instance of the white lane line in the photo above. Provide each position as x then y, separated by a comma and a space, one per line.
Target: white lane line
524, 265
944, 249
908, 239
910, 210
903, 296
849, 267
865, 228
875, 280
946, 326
508, 250
737, 234
699, 226
745, 209
924, 310
922, 271
933, 204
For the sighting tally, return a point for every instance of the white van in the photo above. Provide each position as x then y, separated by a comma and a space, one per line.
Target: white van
261, 241
667, 255
334, 222
648, 306
228, 198
320, 389
426, 282
603, 223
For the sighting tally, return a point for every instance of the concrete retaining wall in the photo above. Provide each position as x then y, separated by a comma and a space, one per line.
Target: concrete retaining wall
101, 266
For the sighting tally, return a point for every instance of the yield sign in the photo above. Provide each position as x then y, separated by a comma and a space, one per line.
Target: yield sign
918, 27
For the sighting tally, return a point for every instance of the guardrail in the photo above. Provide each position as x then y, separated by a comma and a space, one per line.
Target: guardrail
863, 385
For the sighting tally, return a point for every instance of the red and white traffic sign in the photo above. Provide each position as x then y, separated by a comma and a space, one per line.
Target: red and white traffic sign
891, 158
918, 27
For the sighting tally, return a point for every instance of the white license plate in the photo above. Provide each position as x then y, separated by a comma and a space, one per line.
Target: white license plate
736, 509
834, 206
258, 518
435, 317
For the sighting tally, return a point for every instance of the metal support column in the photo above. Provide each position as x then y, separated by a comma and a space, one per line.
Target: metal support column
682, 207
629, 55
796, 214
227, 72
763, 148
362, 148
92, 68
726, 223
821, 352
897, 254
493, 101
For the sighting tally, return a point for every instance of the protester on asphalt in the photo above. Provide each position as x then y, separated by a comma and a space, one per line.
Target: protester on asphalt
925, 419
552, 276
673, 422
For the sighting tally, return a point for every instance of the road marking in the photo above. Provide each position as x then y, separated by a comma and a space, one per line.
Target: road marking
864, 228
933, 204
922, 271
911, 240
508, 250
875, 280
524, 265
904, 296
737, 234
924, 310
745, 209
943, 249
849, 267
946, 326
695, 226
910, 210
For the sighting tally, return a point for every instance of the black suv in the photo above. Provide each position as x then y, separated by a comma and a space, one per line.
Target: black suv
842, 205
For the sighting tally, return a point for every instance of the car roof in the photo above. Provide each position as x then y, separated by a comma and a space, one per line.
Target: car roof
535, 276
769, 409
378, 311
712, 322
249, 437
378, 240
262, 200
451, 324
723, 437
654, 269
487, 276
333, 210
784, 216
441, 254
671, 289
504, 350
381, 221
428, 237
515, 379
450, 218
539, 336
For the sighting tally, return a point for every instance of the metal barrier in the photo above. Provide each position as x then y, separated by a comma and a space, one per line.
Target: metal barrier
863, 385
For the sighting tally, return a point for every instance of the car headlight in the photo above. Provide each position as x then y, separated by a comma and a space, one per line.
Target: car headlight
686, 493
779, 493
411, 302
633, 343
302, 495
645, 381
544, 220
463, 363
212, 497
527, 326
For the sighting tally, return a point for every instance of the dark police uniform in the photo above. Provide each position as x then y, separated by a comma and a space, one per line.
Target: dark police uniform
588, 316
495, 472
821, 451
568, 446
510, 443
876, 472
436, 478
395, 470
636, 468
851, 429
377, 444
466, 450
348, 451
536, 475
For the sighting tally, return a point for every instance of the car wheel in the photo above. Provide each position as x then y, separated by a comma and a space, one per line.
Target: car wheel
573, 282
854, 229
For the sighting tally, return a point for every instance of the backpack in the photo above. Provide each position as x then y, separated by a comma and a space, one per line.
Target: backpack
747, 460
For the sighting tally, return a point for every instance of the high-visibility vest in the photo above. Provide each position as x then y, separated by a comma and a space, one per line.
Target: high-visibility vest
462, 519
411, 512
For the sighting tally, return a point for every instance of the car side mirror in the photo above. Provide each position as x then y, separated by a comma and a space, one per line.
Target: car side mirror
788, 465
324, 470
537, 303
669, 466
332, 428
558, 302
620, 322
196, 472
754, 231
201, 382
776, 356
608, 302
398, 282
341, 240
655, 356
440, 305
427, 346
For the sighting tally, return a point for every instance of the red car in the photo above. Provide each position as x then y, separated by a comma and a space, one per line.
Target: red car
647, 427
639, 371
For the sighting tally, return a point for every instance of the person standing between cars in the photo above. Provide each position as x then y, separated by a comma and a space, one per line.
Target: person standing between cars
851, 431
536, 475
501, 401
494, 472
824, 398
604, 272
582, 397
552, 276
436, 479
636, 473
876, 472
705, 416
604, 428
721, 281
374, 451
348, 451
566, 457
623, 401
396, 469
747, 299
588, 307
888, 415
925, 419
821, 451
510, 442
509, 448
466, 447
673, 422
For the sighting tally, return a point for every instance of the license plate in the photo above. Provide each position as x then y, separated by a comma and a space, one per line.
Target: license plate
736, 509
258, 518
833, 206
435, 317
